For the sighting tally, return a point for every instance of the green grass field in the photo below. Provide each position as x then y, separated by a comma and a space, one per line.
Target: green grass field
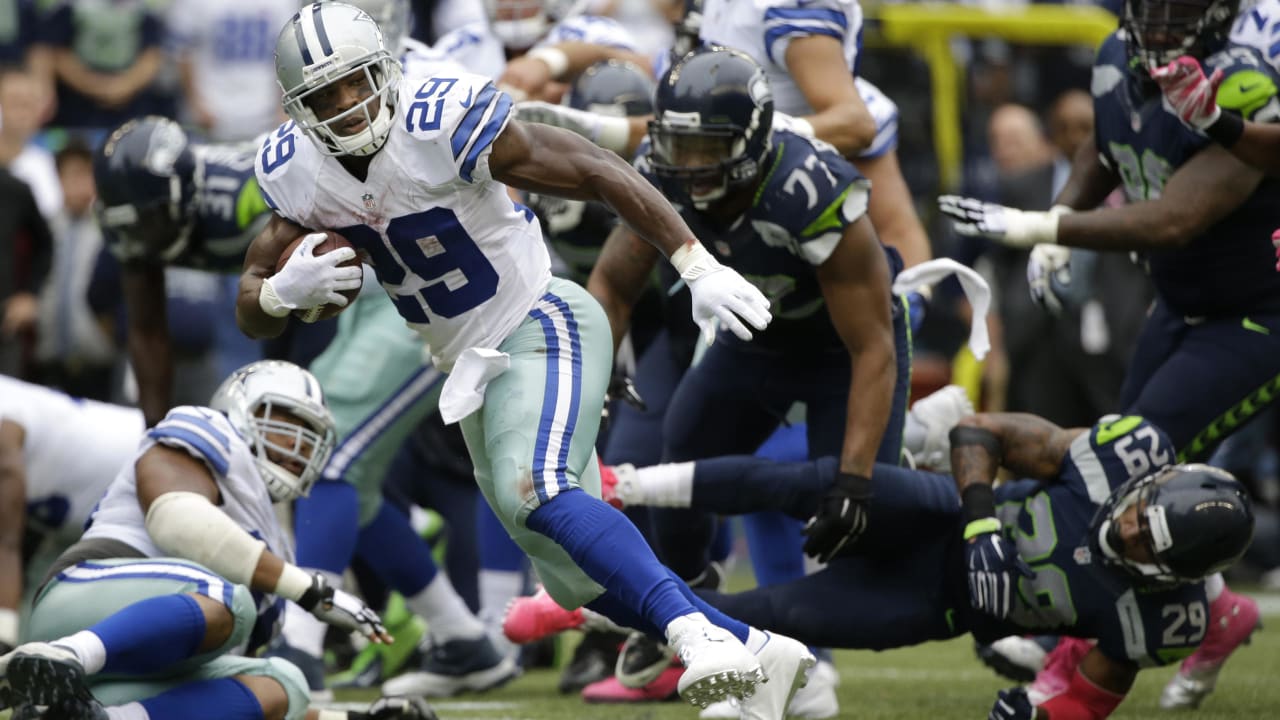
938, 681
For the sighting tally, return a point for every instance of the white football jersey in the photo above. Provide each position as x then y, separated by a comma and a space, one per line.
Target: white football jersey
1259, 28
764, 28
462, 262
471, 48
885, 112
593, 30
72, 449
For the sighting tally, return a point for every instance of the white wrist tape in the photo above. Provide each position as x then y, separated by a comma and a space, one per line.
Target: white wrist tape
9, 626
800, 126
693, 261
555, 58
613, 133
187, 525
270, 302
293, 582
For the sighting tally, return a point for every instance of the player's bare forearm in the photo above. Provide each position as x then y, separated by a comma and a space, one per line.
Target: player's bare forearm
1259, 147
1030, 447
150, 351
619, 277
855, 286
840, 117
260, 264
552, 161
13, 513
1200, 193
1089, 182
582, 55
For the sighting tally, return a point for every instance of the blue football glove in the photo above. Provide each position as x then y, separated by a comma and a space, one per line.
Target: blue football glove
1012, 704
992, 562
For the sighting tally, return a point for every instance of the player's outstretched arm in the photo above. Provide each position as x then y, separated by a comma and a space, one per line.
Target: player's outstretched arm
619, 277
179, 498
150, 351
1090, 180
1026, 444
13, 516
1096, 689
552, 161
260, 264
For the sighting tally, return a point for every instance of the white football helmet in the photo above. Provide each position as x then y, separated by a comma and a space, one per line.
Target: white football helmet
392, 17
325, 43
248, 398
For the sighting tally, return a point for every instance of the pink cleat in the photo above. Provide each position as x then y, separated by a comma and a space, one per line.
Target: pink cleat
532, 618
609, 690
1232, 620
1059, 667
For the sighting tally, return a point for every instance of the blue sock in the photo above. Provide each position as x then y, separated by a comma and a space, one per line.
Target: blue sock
221, 699
610, 607
776, 547
737, 627
612, 552
150, 635
327, 523
411, 566
497, 550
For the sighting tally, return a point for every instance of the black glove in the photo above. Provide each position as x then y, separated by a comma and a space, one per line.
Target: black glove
841, 517
992, 561
1012, 704
398, 708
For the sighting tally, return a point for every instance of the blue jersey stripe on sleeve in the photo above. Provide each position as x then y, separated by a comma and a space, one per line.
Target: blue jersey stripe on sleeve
194, 443
200, 423
501, 109
824, 14
467, 127
778, 32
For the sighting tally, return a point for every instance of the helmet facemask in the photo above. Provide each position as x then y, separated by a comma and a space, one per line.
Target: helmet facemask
381, 76
277, 444
1160, 31
704, 162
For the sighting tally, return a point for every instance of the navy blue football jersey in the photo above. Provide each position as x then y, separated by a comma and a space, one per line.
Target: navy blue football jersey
810, 194
1073, 593
229, 212
1230, 268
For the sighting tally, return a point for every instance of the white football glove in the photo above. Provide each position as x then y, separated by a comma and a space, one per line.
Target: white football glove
936, 414
1048, 275
308, 280
720, 294
610, 133
1005, 225
342, 610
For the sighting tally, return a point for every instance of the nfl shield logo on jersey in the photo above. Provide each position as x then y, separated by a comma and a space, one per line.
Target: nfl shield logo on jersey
369, 204
1082, 555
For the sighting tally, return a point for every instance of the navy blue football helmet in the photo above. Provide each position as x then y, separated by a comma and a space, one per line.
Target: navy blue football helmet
146, 178
1195, 520
613, 87
1157, 32
713, 125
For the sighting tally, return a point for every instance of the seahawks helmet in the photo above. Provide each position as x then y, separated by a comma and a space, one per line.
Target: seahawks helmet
1159, 31
1195, 520
146, 178
613, 87
325, 43
392, 17
713, 125
250, 397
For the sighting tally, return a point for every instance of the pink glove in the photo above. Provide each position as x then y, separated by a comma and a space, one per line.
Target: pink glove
1192, 95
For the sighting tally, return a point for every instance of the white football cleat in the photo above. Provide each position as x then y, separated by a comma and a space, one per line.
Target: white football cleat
786, 664
717, 666
730, 709
817, 700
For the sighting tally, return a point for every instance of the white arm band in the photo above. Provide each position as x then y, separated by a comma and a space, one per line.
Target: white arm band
9, 626
555, 59
187, 525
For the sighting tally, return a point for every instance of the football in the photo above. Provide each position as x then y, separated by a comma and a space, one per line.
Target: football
332, 242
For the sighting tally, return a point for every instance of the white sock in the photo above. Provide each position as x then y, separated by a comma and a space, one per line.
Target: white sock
1213, 586
668, 485
132, 711
447, 616
88, 649
497, 589
333, 715
303, 630
756, 640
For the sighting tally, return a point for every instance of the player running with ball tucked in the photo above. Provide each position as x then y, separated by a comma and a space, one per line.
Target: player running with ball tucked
411, 171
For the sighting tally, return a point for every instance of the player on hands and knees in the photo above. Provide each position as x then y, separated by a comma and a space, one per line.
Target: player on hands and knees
184, 564
411, 171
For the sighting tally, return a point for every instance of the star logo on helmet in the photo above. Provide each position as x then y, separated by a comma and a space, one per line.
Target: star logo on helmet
369, 203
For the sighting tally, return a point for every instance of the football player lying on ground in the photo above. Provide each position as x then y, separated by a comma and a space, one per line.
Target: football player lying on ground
184, 569
1101, 539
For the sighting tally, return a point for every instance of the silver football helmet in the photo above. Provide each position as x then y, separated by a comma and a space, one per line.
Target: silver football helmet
392, 17
326, 43
519, 24
250, 397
